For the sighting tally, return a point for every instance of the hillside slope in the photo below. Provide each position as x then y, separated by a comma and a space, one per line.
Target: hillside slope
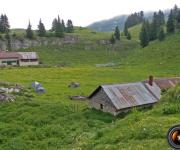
110, 24
53, 121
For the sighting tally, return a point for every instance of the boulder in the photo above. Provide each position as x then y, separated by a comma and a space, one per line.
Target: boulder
74, 85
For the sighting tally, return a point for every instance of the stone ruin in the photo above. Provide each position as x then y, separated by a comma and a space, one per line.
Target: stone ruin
7, 90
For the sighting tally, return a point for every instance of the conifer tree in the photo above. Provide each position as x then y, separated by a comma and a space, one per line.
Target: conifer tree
170, 23
41, 29
112, 40
54, 25
161, 18
175, 11
63, 25
129, 36
161, 34
29, 32
4, 24
70, 27
117, 33
178, 21
59, 28
125, 30
144, 37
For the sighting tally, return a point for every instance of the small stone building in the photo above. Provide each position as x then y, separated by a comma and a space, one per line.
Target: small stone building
18, 58
119, 98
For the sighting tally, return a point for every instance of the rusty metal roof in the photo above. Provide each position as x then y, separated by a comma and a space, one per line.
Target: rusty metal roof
9, 55
18, 55
165, 83
128, 95
136, 94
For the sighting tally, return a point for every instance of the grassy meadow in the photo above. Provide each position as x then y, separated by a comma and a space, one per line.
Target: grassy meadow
52, 121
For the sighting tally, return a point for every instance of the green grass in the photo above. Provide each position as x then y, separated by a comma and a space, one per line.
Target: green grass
134, 31
52, 121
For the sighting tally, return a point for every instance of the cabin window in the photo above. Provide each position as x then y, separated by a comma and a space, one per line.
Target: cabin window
101, 106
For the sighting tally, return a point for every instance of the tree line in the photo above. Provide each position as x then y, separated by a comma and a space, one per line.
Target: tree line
133, 19
58, 27
156, 29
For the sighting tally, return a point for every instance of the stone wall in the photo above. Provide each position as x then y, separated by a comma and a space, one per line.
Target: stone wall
24, 43
101, 98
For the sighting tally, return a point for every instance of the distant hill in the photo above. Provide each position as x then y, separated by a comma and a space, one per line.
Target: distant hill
110, 24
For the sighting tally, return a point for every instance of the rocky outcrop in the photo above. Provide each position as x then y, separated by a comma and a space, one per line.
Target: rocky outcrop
24, 43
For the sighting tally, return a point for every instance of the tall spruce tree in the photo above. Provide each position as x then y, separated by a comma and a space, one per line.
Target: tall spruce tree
117, 33
63, 25
59, 28
129, 36
161, 35
112, 40
4, 24
41, 29
144, 37
161, 18
175, 11
125, 30
29, 32
170, 23
178, 21
54, 24
70, 27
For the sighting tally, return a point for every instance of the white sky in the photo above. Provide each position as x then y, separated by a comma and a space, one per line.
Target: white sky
82, 12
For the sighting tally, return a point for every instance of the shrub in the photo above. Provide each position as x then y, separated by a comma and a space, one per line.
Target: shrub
171, 109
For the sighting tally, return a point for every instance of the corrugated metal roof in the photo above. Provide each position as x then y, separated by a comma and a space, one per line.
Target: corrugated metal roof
9, 55
18, 55
136, 94
28, 55
129, 95
165, 83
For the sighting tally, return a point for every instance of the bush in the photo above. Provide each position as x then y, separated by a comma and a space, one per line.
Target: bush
171, 109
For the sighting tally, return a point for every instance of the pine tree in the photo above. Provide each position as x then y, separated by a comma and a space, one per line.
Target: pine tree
70, 27
117, 33
144, 37
4, 24
129, 36
41, 29
63, 25
161, 18
59, 28
178, 21
170, 23
112, 40
29, 32
175, 11
161, 34
54, 25
125, 30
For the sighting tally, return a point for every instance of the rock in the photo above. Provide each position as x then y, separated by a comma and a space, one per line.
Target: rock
74, 85
104, 42
78, 97
6, 98
27, 43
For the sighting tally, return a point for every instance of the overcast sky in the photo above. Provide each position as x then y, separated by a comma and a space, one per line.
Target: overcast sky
82, 12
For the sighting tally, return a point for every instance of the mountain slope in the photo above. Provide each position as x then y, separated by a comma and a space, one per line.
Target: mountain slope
110, 24
53, 121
